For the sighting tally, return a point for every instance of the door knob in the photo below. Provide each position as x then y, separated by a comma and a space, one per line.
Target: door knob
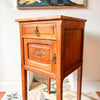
37, 31
54, 58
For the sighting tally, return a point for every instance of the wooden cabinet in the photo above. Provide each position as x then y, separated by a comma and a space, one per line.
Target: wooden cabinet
53, 47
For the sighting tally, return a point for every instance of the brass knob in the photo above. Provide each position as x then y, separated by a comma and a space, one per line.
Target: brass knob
54, 58
37, 31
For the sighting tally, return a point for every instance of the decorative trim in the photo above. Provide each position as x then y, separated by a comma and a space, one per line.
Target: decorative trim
27, 4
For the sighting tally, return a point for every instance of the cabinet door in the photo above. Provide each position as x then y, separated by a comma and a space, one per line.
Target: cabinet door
39, 54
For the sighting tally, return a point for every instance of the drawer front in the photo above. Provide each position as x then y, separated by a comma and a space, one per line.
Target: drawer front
39, 54
39, 30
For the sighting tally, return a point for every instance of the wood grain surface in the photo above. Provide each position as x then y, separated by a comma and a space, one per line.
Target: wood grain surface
56, 17
98, 94
2, 94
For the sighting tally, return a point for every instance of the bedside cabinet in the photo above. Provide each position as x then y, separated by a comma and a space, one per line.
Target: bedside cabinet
53, 47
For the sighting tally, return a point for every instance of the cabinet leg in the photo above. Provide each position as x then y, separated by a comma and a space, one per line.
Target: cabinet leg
79, 83
59, 86
49, 81
24, 84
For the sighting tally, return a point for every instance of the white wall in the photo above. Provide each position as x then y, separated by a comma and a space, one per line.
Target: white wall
10, 74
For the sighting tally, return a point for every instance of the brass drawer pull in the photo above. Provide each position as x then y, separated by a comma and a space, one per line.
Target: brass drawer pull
37, 31
54, 58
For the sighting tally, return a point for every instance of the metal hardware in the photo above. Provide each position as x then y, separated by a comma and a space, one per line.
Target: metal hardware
37, 31
54, 58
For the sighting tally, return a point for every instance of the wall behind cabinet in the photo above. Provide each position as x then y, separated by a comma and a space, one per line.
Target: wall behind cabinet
10, 71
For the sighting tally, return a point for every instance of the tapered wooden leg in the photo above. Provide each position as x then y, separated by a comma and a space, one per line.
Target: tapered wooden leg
79, 83
59, 86
24, 84
49, 81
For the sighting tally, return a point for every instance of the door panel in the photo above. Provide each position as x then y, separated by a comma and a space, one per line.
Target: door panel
39, 53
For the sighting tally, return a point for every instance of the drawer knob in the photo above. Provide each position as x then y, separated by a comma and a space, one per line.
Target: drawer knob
54, 58
37, 31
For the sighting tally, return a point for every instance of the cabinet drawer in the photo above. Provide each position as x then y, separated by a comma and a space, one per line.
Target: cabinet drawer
39, 30
39, 54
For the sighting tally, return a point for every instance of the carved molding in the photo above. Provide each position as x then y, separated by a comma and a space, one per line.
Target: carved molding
39, 53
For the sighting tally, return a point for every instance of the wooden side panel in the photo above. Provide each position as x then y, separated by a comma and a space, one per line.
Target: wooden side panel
68, 24
72, 45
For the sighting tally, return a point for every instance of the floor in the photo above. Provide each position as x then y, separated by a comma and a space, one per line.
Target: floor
68, 94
